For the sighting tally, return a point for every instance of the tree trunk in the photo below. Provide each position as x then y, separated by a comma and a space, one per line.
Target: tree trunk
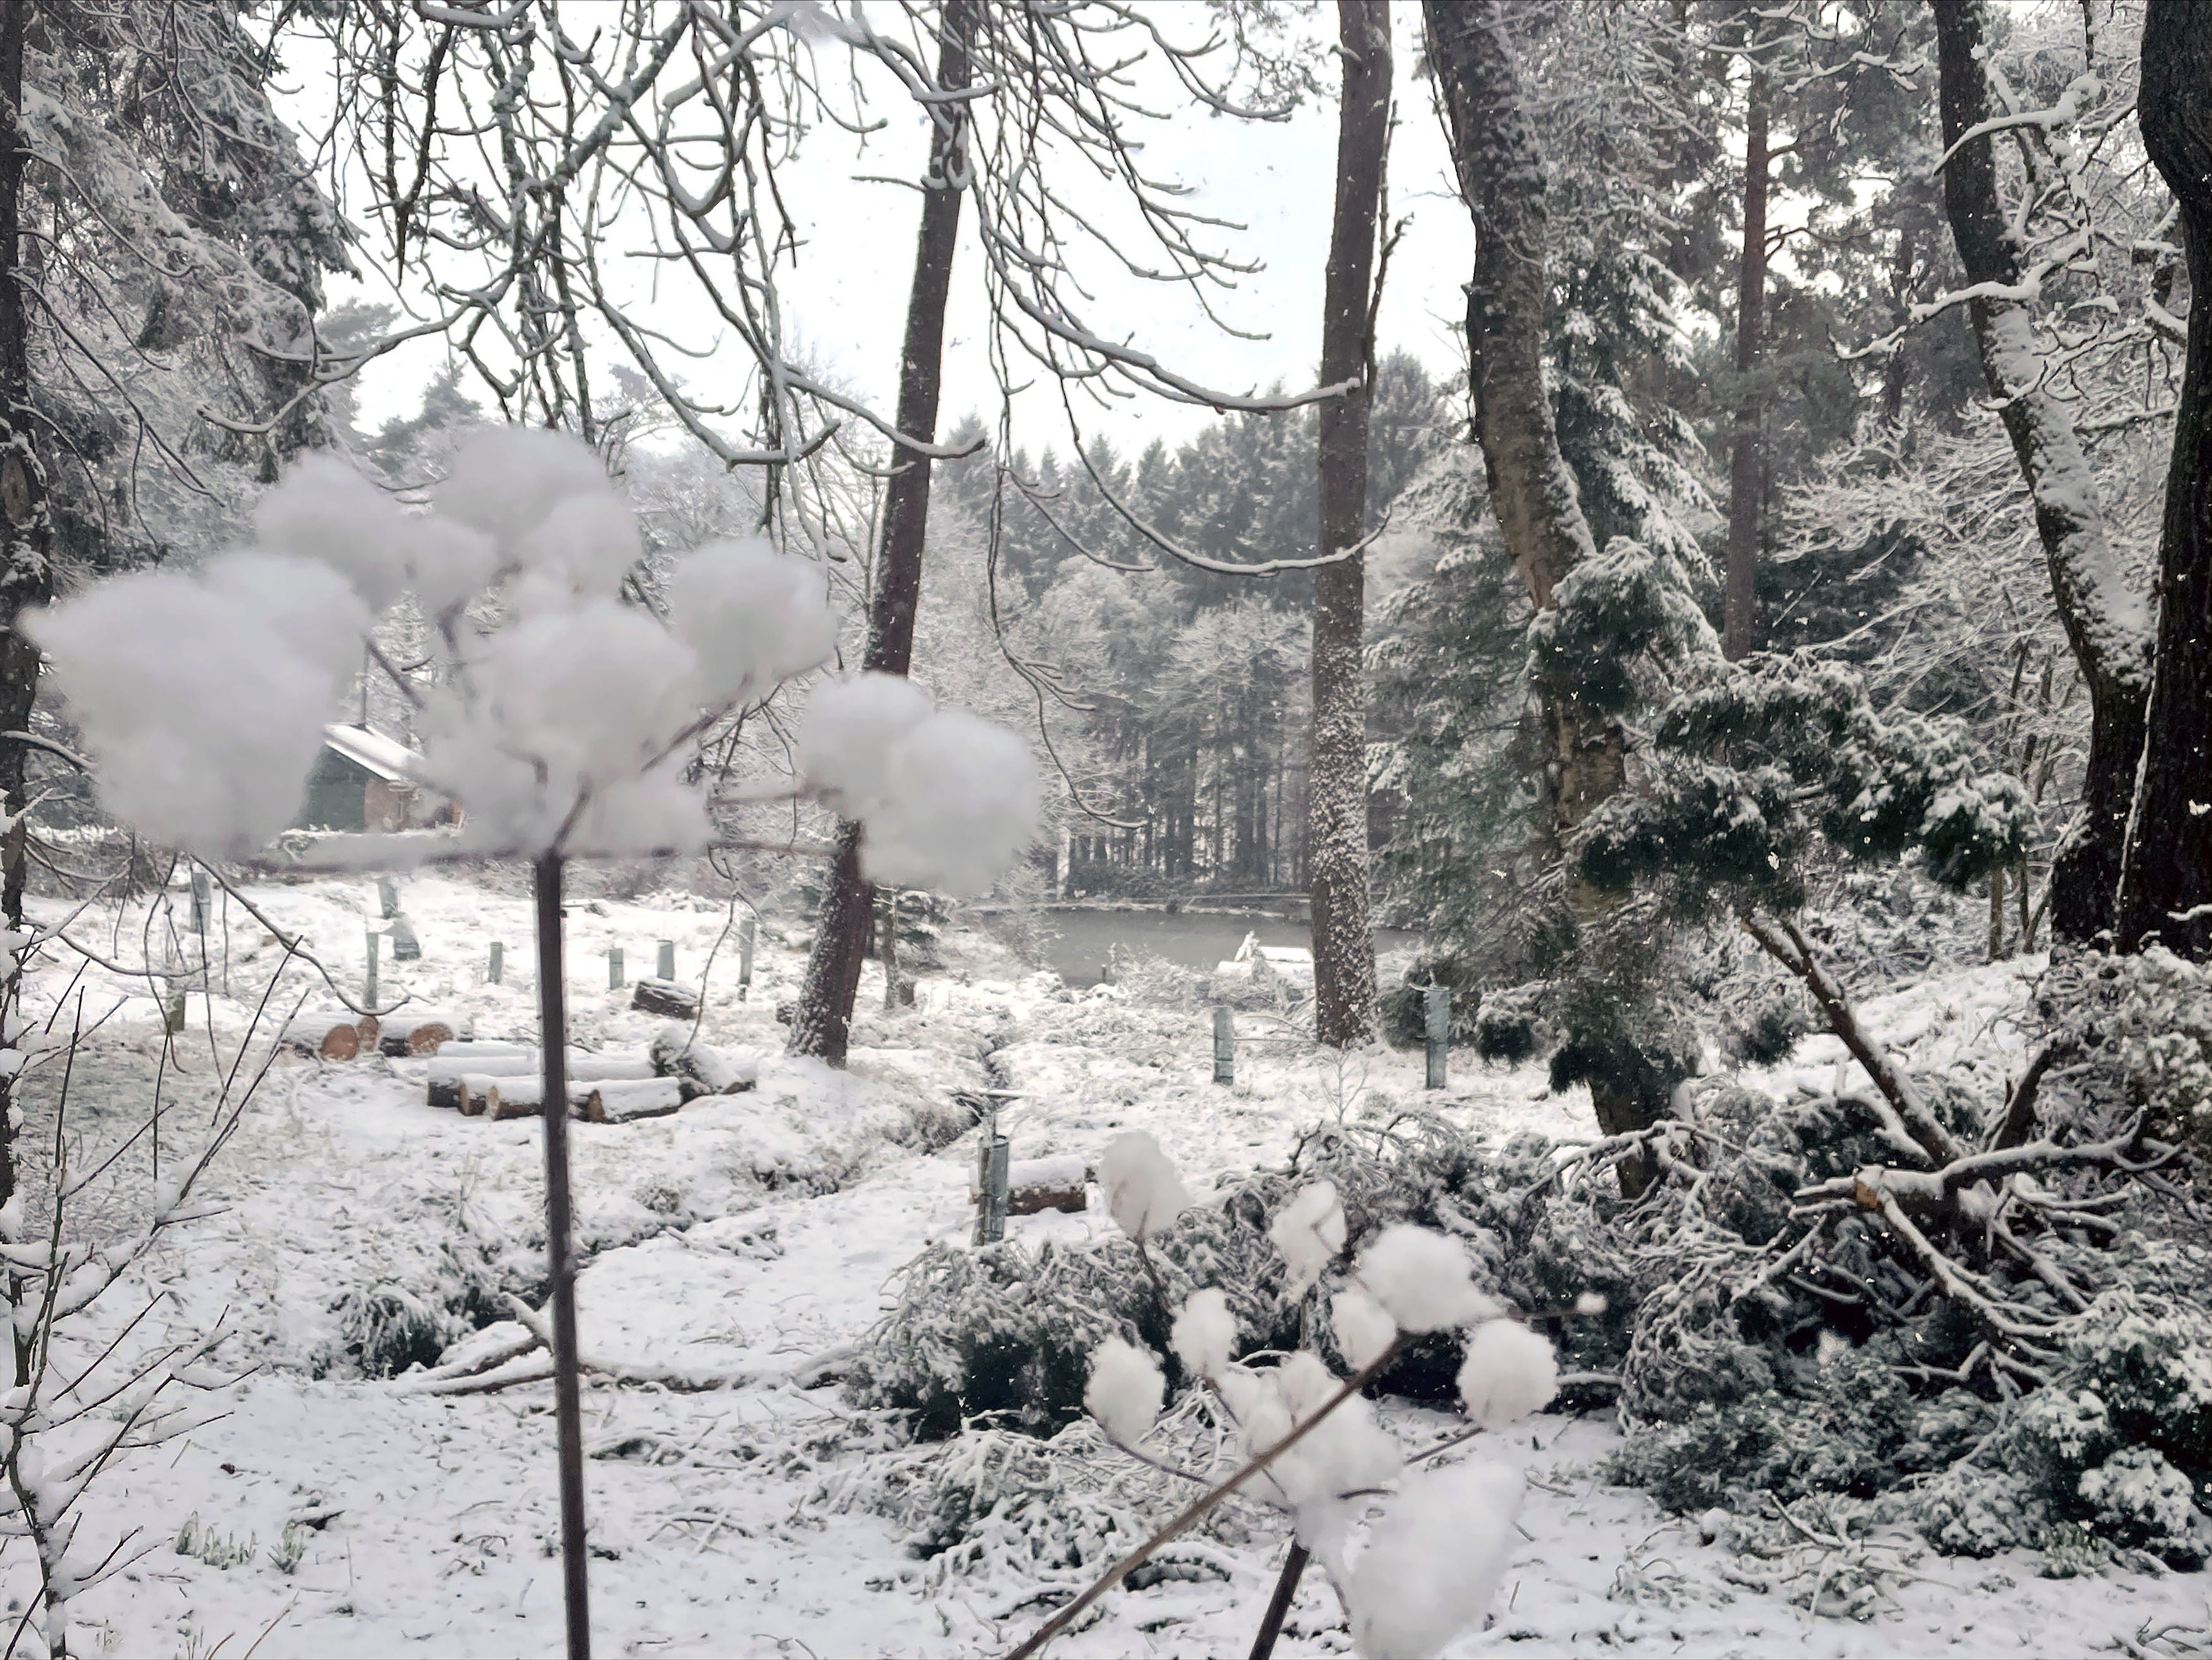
1336, 822
1740, 612
823, 1027
26, 579
2168, 879
27, 576
1531, 489
2107, 623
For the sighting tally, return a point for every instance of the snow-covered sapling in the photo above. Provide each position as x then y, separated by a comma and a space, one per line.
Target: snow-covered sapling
1310, 1444
567, 721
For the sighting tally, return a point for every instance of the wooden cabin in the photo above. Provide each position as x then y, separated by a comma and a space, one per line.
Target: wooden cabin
364, 780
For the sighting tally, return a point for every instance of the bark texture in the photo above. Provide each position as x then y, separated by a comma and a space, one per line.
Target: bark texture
1747, 470
1343, 937
27, 575
822, 1026
1531, 489
2107, 624
2168, 881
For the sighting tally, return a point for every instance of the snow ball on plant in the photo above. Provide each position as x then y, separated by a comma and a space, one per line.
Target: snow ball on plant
1204, 1335
324, 511
853, 729
1125, 1391
1364, 1328
960, 806
1420, 1277
447, 563
569, 707
505, 481
754, 617
581, 551
1509, 1371
1432, 1563
1590, 1304
1143, 1192
1309, 1231
205, 699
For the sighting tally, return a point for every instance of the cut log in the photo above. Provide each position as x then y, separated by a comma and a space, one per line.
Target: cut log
702, 1069
370, 1029
623, 1101
1042, 1184
475, 1049
449, 1078
590, 1066
445, 1074
418, 1034
331, 1036
607, 1101
665, 998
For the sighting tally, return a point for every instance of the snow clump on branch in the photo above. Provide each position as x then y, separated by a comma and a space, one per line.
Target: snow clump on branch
1143, 1192
1126, 1390
1309, 1231
567, 727
1421, 1278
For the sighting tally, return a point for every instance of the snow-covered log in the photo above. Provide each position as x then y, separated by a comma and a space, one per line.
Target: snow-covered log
333, 1038
702, 1069
665, 998
1042, 1184
419, 1034
623, 1101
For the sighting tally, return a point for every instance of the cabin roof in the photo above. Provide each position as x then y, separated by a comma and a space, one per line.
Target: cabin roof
371, 750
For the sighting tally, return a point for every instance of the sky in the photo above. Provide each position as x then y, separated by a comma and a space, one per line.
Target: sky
847, 298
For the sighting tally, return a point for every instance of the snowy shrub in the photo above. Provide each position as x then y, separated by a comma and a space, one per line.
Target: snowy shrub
1767, 1031
999, 1330
1509, 1026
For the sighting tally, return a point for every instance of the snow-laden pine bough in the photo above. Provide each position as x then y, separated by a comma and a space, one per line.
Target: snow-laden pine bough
567, 721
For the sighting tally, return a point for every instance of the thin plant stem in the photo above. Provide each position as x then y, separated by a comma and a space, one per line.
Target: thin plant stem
560, 1247
1199, 1507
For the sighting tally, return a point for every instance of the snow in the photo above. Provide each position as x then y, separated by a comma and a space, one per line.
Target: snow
960, 806
1143, 1192
851, 734
1309, 1231
1125, 1391
1432, 1564
752, 617
1509, 1373
744, 1236
506, 481
205, 698
323, 510
1363, 1328
1421, 1278
1204, 1335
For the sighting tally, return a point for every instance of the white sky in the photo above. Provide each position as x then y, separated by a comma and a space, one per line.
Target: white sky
847, 301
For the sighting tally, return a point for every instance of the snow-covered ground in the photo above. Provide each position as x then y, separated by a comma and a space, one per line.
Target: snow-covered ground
733, 1243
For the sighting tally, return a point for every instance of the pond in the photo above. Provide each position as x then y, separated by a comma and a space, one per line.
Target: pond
1079, 939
